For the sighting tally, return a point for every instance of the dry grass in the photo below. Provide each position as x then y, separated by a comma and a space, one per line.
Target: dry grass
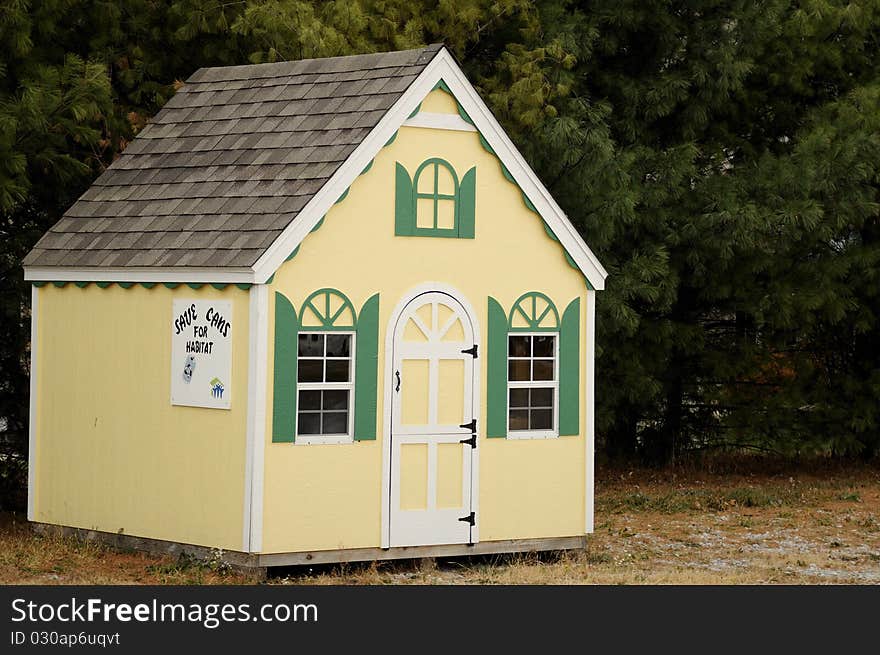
728, 526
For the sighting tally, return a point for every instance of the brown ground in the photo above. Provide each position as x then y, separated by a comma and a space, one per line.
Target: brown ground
673, 527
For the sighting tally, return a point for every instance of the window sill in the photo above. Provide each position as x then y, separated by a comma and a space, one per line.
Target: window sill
532, 434
319, 440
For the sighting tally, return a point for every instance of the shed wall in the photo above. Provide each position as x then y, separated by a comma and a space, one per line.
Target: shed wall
112, 453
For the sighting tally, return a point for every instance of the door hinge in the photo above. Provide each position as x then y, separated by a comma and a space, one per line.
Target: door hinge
472, 351
470, 519
472, 426
472, 441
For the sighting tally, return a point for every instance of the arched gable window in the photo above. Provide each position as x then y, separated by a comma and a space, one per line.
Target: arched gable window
435, 203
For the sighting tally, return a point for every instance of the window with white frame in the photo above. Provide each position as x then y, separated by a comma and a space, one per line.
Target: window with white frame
532, 384
325, 386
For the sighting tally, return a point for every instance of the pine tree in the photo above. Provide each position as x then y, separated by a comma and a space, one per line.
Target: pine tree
720, 156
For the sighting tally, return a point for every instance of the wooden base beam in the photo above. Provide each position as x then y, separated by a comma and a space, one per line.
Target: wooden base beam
256, 563
418, 552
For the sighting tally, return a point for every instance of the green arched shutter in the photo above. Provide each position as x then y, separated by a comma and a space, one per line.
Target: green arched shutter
284, 379
366, 370
496, 365
467, 203
404, 203
569, 369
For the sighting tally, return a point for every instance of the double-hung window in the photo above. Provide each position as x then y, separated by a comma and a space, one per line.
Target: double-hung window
533, 369
325, 387
532, 385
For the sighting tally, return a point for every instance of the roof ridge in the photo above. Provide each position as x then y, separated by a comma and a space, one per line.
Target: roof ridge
324, 61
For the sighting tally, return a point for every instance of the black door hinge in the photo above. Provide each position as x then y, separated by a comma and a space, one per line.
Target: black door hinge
472, 351
470, 519
472, 441
472, 426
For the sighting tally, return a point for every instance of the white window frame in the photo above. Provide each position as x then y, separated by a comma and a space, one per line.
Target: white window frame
534, 384
313, 439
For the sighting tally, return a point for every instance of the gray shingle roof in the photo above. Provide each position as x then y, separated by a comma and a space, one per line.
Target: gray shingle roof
229, 162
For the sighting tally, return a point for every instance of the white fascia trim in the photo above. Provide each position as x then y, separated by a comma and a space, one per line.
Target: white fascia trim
32, 416
443, 67
138, 274
439, 122
590, 414
255, 443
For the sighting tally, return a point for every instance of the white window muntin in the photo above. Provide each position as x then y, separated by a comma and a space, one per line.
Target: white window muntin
308, 439
534, 384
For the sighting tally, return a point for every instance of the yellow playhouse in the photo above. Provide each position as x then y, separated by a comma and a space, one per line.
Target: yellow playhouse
317, 311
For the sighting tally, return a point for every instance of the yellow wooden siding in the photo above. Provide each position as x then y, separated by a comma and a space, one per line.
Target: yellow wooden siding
113, 454
438, 102
329, 496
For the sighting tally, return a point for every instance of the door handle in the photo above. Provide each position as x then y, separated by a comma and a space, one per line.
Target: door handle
397, 373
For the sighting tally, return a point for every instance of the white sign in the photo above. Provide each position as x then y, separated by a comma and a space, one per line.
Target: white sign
201, 353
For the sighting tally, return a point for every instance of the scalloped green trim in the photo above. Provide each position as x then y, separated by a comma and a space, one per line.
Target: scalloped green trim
342, 197
464, 114
391, 140
442, 86
318, 224
486, 145
507, 175
570, 261
367, 167
549, 232
293, 254
528, 203
146, 285
416, 110
271, 277
40, 283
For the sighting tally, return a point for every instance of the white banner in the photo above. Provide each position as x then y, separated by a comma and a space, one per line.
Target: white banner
201, 353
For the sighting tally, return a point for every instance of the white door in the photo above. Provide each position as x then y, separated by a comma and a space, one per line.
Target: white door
433, 434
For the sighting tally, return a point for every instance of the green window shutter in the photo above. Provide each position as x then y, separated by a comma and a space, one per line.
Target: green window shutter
467, 202
404, 204
284, 384
366, 371
569, 369
496, 365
